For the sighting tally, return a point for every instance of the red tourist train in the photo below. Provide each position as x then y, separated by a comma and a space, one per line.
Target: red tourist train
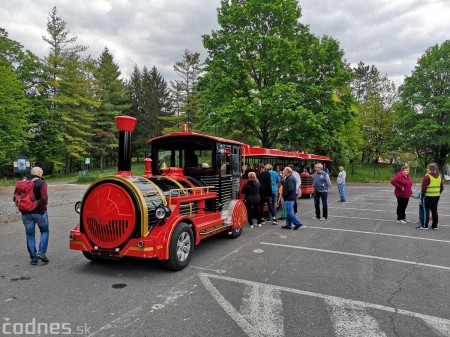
189, 191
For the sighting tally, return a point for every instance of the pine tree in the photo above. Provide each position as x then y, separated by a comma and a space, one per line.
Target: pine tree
151, 105
183, 92
114, 100
73, 91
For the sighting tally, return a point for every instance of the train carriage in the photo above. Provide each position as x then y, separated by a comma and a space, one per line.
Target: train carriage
279, 158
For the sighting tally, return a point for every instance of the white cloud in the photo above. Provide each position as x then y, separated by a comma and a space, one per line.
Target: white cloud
391, 35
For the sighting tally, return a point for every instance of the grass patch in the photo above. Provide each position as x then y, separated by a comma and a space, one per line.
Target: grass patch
378, 173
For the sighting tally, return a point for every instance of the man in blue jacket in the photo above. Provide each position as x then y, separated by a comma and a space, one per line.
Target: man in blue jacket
322, 184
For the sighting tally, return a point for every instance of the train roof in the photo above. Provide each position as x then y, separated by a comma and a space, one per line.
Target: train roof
256, 151
247, 150
195, 134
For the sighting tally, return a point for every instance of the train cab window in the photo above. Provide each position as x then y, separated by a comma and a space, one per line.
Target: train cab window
225, 163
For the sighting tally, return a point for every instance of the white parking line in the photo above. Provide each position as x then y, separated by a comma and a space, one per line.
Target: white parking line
374, 219
359, 255
440, 325
376, 210
352, 320
375, 233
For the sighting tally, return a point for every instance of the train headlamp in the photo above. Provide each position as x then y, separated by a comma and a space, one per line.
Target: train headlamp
78, 207
161, 212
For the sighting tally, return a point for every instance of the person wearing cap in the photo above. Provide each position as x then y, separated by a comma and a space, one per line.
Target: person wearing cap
38, 217
432, 187
289, 196
322, 184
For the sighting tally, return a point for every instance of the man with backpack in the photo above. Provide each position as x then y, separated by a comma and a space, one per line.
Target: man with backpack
31, 199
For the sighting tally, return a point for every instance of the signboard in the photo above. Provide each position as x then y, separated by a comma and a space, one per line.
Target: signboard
22, 165
87, 161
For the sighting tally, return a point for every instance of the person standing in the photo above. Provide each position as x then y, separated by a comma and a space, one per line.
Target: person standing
432, 187
265, 192
322, 184
341, 183
252, 198
38, 217
289, 196
275, 183
403, 191
298, 184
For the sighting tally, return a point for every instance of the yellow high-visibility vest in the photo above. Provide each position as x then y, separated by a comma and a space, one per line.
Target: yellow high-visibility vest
434, 189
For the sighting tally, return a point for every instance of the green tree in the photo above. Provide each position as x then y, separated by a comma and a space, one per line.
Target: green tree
378, 117
74, 91
114, 100
41, 144
425, 109
362, 75
184, 93
14, 110
269, 79
151, 105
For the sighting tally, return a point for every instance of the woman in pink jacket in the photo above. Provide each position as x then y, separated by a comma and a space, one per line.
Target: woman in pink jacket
403, 191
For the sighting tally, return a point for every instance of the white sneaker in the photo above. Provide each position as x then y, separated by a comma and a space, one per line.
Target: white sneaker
401, 221
259, 225
322, 219
251, 226
407, 221
315, 218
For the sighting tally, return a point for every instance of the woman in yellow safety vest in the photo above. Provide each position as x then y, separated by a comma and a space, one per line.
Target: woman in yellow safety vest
432, 187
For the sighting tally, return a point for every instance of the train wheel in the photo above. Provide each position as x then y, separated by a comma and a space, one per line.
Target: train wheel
235, 232
238, 214
88, 256
181, 247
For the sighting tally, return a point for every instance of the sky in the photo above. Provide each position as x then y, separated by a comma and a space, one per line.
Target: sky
389, 34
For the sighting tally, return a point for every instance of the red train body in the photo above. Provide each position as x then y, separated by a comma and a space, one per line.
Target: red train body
175, 204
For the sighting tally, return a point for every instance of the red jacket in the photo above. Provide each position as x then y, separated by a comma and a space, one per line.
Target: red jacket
399, 182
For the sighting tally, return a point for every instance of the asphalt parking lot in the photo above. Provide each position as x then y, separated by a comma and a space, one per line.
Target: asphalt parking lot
359, 273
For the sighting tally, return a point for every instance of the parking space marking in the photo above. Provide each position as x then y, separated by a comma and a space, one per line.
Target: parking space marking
352, 320
420, 264
376, 210
376, 233
374, 219
357, 327
262, 307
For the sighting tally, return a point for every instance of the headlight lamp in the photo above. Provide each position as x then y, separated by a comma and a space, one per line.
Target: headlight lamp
160, 212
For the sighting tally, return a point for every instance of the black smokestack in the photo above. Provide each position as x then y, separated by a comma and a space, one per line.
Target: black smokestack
125, 125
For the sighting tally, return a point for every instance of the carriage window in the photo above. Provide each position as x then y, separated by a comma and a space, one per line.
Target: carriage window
164, 159
225, 162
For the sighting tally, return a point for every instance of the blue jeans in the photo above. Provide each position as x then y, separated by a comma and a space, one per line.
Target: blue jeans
324, 197
291, 218
274, 204
341, 189
30, 220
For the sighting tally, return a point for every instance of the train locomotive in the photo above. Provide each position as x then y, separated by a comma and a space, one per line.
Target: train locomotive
175, 204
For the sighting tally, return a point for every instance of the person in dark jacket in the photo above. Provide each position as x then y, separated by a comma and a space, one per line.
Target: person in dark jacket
289, 196
432, 187
265, 193
403, 191
37, 217
252, 198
